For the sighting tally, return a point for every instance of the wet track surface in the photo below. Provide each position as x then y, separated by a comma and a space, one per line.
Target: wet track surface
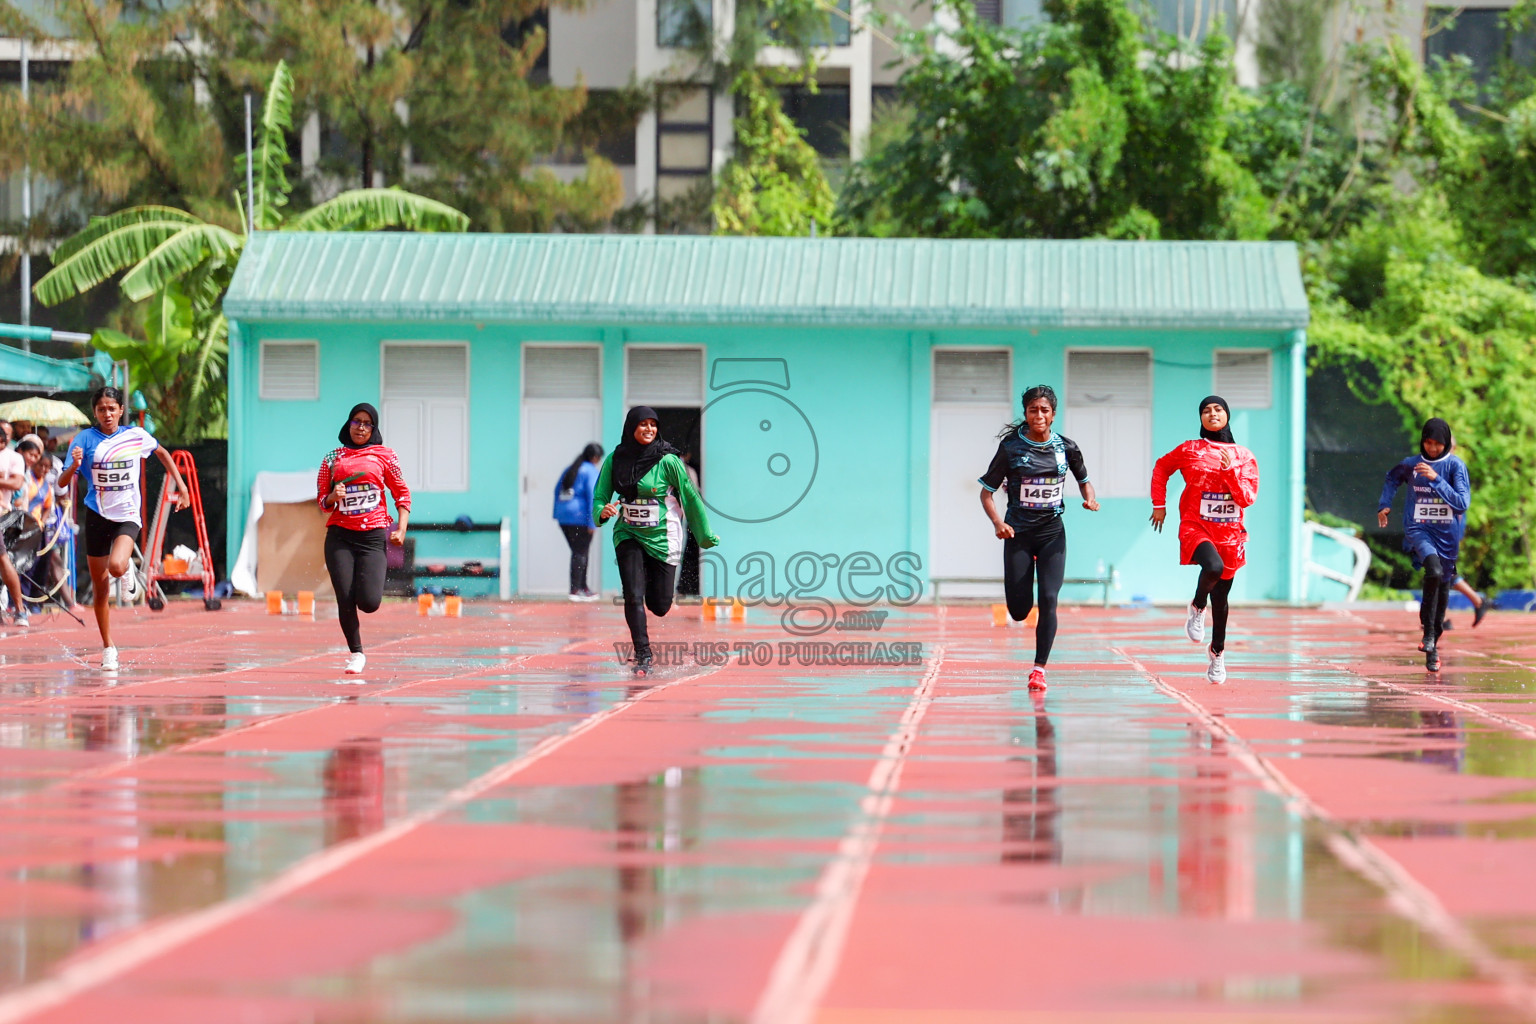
497, 824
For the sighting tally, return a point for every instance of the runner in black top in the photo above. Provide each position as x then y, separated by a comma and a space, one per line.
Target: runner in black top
1034, 461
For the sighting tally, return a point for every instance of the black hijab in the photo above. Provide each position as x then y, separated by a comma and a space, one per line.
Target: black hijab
1224, 435
631, 459
1435, 429
346, 428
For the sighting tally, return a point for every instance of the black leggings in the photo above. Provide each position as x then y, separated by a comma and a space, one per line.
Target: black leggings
1437, 594
648, 583
1212, 586
580, 539
1026, 553
356, 561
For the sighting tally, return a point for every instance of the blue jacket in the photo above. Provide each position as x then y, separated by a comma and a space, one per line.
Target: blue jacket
1435, 515
574, 507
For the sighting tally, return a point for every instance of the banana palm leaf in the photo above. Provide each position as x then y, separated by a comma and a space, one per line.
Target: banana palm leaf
108, 254
373, 209
215, 343
271, 152
122, 218
177, 255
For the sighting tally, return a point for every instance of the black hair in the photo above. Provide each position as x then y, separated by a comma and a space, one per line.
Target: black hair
116, 394
590, 452
1035, 393
27, 446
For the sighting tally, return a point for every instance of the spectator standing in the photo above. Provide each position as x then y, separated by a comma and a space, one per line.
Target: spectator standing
573, 511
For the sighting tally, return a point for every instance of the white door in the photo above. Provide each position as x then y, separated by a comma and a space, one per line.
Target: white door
555, 429
970, 405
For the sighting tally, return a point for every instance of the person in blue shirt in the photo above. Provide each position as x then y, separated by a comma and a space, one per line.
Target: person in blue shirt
573, 511
1434, 521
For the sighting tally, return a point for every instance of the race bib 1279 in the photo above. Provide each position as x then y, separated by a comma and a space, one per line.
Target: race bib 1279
359, 499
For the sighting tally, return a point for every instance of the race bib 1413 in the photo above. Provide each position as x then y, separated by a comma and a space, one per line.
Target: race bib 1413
1219, 508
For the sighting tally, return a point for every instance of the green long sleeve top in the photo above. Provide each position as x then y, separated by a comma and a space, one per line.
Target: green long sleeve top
654, 517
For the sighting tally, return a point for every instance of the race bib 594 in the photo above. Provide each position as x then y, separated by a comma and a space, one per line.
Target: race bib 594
1219, 508
113, 476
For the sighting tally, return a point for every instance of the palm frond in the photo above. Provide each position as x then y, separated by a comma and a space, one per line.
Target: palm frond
271, 152
372, 209
176, 256
122, 218
215, 341
108, 254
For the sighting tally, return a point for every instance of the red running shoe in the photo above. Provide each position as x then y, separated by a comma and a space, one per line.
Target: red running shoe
1037, 678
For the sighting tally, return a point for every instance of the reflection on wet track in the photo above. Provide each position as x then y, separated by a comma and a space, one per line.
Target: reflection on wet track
496, 824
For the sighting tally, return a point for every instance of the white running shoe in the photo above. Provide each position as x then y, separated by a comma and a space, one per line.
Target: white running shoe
355, 662
574, 598
1194, 627
1217, 671
21, 621
587, 597
109, 659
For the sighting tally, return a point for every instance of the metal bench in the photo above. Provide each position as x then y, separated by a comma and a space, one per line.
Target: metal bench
1108, 580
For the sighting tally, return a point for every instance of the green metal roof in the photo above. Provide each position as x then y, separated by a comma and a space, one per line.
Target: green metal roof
670, 279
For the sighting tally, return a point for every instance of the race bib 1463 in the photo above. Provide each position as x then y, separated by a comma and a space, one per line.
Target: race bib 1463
641, 512
1040, 491
1219, 508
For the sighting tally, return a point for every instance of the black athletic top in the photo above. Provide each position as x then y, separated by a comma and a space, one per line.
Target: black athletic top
1036, 476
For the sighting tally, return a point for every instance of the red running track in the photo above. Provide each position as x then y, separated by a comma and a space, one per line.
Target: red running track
496, 823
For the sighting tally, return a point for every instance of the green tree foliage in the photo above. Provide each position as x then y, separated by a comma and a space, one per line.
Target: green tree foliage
1088, 125
183, 265
773, 183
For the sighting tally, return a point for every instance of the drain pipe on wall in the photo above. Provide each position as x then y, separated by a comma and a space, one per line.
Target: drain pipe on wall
1298, 481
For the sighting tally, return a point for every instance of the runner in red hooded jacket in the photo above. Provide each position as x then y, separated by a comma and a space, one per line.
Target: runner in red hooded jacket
1221, 479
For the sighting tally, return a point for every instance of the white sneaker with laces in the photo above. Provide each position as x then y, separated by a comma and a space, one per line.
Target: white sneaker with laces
1217, 671
1194, 627
355, 662
109, 659
21, 621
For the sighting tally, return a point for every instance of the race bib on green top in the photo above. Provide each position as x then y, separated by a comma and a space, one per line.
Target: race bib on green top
642, 512
1218, 508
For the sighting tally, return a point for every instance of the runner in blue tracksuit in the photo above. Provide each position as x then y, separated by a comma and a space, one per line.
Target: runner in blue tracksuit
1434, 520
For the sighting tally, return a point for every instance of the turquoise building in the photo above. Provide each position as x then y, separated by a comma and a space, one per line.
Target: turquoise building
840, 396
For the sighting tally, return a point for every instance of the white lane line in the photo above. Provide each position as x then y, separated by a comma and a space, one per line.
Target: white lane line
1405, 894
87, 971
806, 964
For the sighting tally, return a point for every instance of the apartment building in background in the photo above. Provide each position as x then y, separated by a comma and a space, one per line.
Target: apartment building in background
687, 136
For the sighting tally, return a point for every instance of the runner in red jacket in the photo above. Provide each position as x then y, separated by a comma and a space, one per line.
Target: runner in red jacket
351, 486
1221, 479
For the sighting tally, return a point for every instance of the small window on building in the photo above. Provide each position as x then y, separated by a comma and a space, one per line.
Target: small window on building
518, 34
1480, 35
290, 371
823, 115
664, 376
562, 371
1108, 412
684, 142
425, 412
683, 23
972, 377
1242, 377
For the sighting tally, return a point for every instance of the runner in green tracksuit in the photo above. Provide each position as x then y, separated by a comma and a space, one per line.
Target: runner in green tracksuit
654, 495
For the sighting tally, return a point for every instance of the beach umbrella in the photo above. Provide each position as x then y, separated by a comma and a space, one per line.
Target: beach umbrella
44, 412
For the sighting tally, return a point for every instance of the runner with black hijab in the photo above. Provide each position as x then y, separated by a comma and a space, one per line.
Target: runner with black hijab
1221, 479
654, 493
351, 487
1435, 519
1034, 461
